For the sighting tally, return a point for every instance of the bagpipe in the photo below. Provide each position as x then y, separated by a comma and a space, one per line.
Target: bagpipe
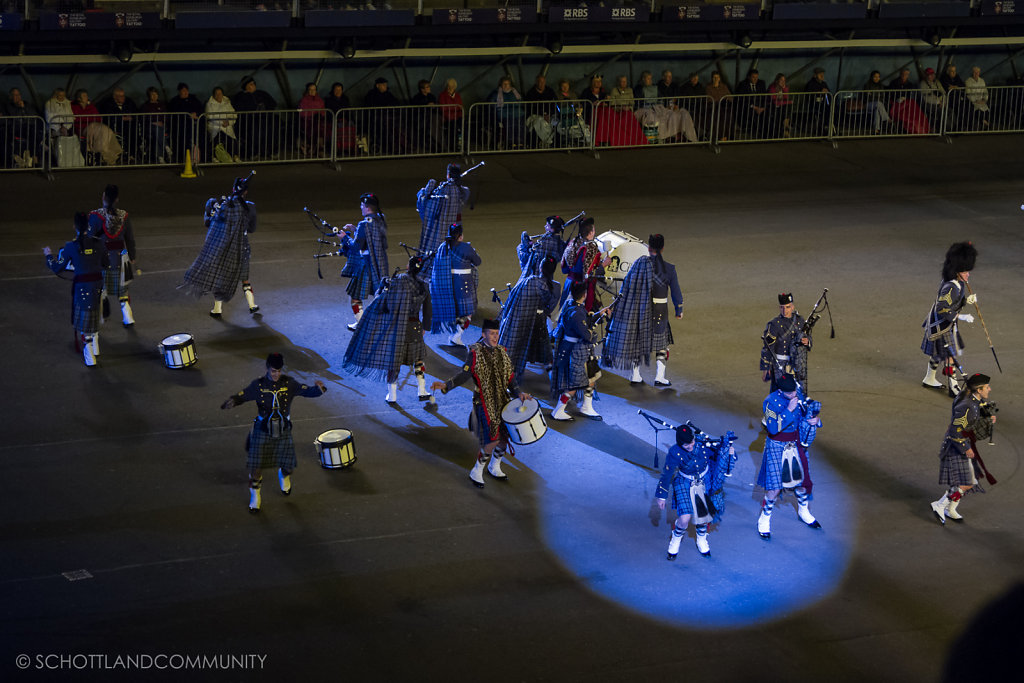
815, 315
496, 292
215, 209
572, 221
411, 251
326, 230
438, 193
987, 410
702, 438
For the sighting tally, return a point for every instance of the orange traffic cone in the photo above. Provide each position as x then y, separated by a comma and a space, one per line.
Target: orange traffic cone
188, 172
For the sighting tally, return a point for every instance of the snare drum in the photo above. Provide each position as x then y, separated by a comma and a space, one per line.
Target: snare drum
524, 421
336, 449
624, 249
179, 350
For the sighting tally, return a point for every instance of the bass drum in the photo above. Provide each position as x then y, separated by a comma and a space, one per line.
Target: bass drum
624, 249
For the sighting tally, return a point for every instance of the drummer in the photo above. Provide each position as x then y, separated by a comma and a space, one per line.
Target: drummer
490, 368
582, 261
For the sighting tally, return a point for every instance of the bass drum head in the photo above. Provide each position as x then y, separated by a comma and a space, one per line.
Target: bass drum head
176, 340
333, 437
512, 414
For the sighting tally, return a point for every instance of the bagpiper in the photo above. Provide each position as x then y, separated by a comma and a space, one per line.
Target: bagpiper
453, 284
524, 318
114, 227
366, 246
942, 342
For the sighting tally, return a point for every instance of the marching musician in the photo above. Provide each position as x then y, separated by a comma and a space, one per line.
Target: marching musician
785, 344
582, 262
524, 327
490, 368
87, 257
114, 227
550, 243
440, 206
453, 283
391, 334
572, 372
639, 323
270, 441
942, 342
366, 246
699, 474
971, 421
223, 262
792, 423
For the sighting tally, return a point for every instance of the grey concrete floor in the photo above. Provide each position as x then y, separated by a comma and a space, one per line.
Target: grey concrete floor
398, 567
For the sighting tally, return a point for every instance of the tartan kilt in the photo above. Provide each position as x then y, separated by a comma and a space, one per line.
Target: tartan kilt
955, 469
539, 349
478, 425
85, 320
770, 476
362, 286
266, 451
414, 348
570, 370
948, 345
681, 502
464, 288
661, 332
112, 279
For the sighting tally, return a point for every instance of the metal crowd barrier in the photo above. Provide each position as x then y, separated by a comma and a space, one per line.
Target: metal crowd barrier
887, 113
994, 109
529, 126
773, 117
653, 121
22, 142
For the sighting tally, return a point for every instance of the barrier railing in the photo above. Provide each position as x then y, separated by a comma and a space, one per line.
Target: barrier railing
22, 142
521, 126
653, 121
887, 113
773, 117
992, 109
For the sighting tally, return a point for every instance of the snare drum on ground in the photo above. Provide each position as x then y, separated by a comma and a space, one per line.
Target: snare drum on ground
336, 449
524, 421
623, 248
179, 350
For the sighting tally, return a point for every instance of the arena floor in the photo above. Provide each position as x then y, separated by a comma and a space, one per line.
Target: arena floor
398, 568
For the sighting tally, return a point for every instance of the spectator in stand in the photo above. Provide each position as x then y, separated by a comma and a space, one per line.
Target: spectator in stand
721, 101
616, 123
119, 113
450, 102
660, 116
954, 87
541, 110
875, 98
96, 137
564, 91
692, 97
820, 102
903, 107
185, 109
753, 108
220, 125
59, 114
335, 101
621, 96
667, 87
312, 122
383, 124
976, 91
592, 95
781, 104
25, 134
154, 126
257, 125
933, 96
426, 122
508, 113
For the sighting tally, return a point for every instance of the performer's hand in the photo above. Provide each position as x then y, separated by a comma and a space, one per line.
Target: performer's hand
805, 341
524, 397
993, 419
970, 453
793, 403
814, 421
661, 503
323, 387
228, 404
966, 317
765, 376
732, 450
348, 226
525, 238
679, 316
46, 251
437, 385
972, 299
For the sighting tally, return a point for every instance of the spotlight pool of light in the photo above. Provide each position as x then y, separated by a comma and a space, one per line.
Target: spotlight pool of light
598, 519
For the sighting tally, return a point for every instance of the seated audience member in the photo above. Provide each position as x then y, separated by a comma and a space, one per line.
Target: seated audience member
450, 102
903, 106
954, 87
721, 102
25, 134
752, 108
59, 115
119, 113
382, 123
662, 115
258, 130
220, 125
693, 97
97, 137
312, 122
818, 111
185, 109
779, 108
425, 123
508, 112
976, 91
540, 110
154, 126
876, 100
933, 97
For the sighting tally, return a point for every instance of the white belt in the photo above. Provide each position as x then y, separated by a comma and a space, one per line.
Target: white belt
659, 301
696, 477
572, 340
364, 253
462, 271
781, 356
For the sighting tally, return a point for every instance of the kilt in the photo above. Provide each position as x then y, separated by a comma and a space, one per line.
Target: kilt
414, 349
947, 345
539, 349
661, 333
112, 278
478, 425
267, 451
770, 475
681, 502
570, 369
361, 286
86, 305
464, 288
955, 469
